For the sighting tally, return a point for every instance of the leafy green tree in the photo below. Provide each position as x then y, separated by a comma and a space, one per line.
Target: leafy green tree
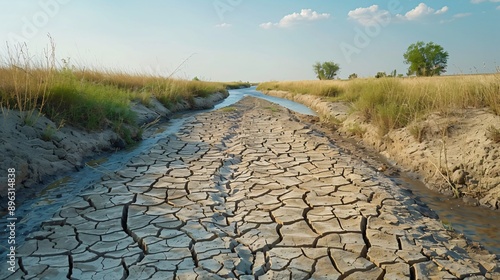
353, 76
326, 70
426, 59
380, 75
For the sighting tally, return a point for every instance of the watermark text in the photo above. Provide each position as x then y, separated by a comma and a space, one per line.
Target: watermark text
11, 219
32, 25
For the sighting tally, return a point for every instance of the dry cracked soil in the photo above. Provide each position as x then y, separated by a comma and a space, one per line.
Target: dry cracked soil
247, 192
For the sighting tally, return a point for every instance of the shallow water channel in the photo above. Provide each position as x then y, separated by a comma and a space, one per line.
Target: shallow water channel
477, 223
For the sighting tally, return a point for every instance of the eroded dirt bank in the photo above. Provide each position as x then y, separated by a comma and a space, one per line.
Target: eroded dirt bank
41, 150
247, 192
451, 153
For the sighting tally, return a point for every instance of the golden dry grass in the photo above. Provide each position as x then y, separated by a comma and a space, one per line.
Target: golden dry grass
395, 102
86, 98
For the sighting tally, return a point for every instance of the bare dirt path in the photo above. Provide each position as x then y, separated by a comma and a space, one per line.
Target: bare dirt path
247, 192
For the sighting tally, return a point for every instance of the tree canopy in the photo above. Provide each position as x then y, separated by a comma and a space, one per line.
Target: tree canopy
326, 70
426, 59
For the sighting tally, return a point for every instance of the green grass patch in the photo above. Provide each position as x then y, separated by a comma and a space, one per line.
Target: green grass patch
356, 129
237, 85
48, 133
228, 109
273, 109
320, 88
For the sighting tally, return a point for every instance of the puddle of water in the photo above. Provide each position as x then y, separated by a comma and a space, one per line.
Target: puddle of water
479, 224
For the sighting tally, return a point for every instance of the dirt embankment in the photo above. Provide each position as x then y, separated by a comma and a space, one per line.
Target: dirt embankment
451, 153
41, 150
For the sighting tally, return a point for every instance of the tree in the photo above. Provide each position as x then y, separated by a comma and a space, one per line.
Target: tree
353, 76
426, 59
380, 75
326, 70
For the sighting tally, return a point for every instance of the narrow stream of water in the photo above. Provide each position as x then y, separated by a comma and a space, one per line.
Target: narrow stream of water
478, 224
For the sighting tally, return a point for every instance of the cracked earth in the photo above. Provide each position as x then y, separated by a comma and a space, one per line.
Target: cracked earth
247, 193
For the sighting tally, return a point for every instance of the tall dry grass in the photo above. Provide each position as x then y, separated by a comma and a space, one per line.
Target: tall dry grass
25, 80
90, 99
395, 102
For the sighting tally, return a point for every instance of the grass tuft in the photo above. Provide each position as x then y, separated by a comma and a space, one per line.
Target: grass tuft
228, 109
357, 130
494, 134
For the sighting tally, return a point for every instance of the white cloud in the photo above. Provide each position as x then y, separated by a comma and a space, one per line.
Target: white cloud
455, 17
462, 15
369, 16
421, 11
223, 25
442, 10
373, 14
292, 19
266, 25
481, 1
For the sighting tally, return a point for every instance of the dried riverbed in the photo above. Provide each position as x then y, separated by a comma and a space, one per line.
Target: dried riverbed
241, 192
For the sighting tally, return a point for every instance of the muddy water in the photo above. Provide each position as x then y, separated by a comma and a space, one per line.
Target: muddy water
478, 224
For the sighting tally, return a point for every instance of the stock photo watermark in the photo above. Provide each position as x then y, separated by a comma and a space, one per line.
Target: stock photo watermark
222, 7
11, 219
32, 25
364, 36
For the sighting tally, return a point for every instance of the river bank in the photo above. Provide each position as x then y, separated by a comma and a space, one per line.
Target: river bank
42, 151
244, 192
451, 153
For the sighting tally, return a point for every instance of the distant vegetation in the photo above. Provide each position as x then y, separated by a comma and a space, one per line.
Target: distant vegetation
394, 103
90, 99
326, 70
426, 59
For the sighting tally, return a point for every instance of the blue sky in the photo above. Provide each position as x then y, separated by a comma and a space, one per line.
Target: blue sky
255, 40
